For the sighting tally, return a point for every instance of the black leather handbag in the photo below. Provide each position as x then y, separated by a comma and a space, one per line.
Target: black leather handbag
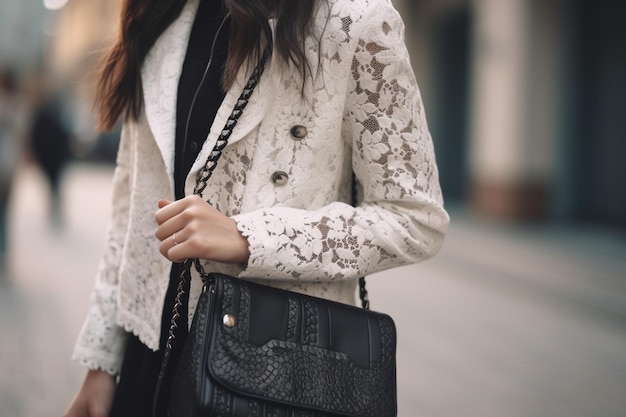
257, 351
260, 351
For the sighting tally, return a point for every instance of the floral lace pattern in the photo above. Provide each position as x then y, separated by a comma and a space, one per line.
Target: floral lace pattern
360, 113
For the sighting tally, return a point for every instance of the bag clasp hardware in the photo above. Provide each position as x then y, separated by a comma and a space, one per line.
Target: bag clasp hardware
229, 321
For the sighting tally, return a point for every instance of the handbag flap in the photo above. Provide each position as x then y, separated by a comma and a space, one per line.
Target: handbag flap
302, 351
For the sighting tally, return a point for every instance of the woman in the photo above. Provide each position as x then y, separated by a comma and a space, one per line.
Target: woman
337, 96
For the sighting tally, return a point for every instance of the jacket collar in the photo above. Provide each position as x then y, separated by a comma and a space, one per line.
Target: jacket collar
160, 74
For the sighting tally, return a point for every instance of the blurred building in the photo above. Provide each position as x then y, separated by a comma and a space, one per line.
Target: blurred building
527, 104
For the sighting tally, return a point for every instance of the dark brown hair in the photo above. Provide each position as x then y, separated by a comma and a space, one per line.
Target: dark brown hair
119, 90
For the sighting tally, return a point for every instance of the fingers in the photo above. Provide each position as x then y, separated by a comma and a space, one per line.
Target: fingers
174, 216
214, 243
169, 209
192, 228
169, 243
162, 203
203, 238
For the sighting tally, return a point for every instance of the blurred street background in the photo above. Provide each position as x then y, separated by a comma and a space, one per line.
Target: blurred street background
523, 313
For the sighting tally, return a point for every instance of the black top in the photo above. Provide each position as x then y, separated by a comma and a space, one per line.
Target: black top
210, 94
137, 381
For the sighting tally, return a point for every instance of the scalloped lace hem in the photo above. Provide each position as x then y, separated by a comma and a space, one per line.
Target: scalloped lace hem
137, 327
96, 365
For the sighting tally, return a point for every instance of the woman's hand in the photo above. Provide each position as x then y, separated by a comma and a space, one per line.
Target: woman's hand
192, 228
95, 397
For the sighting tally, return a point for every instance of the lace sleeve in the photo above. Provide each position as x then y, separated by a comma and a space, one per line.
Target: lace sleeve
401, 218
101, 342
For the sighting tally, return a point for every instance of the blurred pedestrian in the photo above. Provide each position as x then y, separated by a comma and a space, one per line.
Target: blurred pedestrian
337, 96
50, 142
10, 147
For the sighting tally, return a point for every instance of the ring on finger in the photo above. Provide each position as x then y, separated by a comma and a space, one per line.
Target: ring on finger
174, 239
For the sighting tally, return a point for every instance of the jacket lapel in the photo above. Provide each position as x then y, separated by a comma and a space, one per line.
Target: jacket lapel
259, 104
160, 75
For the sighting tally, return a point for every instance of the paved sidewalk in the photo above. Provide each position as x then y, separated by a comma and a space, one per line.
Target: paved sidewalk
43, 297
505, 321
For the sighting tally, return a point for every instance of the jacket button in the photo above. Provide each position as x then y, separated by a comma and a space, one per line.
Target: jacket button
280, 178
298, 132
193, 147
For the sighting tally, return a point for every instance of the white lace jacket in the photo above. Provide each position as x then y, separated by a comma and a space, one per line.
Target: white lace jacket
362, 112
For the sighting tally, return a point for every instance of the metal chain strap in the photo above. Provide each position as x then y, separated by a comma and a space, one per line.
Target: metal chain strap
178, 303
205, 173
363, 294
201, 183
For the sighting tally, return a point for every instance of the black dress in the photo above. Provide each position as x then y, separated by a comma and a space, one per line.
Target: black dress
135, 392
